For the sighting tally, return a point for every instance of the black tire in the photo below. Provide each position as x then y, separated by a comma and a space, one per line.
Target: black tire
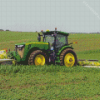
64, 52
34, 54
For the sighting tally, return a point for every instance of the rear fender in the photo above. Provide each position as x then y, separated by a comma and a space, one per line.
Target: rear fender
63, 48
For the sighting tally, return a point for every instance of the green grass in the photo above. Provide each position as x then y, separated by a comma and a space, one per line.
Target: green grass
86, 42
91, 54
51, 82
88, 46
9, 39
14, 36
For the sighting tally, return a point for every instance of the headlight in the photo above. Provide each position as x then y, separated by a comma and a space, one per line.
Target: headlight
20, 46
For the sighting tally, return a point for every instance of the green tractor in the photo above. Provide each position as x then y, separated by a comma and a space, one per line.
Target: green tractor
52, 50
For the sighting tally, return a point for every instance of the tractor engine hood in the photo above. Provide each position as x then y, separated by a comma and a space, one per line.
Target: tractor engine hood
39, 45
20, 48
31, 43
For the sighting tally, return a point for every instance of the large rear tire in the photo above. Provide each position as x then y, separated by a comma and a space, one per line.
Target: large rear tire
68, 58
37, 57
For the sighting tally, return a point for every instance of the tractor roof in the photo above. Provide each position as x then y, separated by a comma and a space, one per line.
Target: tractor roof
58, 32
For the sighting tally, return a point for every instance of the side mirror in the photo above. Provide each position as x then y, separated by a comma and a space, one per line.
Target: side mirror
39, 37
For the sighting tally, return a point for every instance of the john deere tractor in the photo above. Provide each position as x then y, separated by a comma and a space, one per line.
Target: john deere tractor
52, 50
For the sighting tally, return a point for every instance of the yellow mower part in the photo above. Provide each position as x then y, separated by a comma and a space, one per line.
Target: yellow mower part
91, 63
3, 54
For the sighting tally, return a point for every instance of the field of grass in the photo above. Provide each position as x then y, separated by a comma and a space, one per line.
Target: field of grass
8, 39
51, 82
88, 46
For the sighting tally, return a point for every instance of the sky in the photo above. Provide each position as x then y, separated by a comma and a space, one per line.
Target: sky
37, 15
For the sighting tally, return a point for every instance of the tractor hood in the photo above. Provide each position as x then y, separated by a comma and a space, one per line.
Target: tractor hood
30, 45
27, 43
20, 44
36, 43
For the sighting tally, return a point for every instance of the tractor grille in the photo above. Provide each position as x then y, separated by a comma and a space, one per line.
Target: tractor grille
19, 50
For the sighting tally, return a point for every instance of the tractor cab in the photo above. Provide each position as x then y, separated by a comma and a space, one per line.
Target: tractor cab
57, 39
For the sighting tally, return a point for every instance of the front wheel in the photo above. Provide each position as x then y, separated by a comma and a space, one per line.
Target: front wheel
37, 58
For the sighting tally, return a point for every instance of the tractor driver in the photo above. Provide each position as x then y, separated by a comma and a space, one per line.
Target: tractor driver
57, 42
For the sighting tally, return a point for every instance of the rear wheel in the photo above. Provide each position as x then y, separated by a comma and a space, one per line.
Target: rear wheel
37, 58
68, 58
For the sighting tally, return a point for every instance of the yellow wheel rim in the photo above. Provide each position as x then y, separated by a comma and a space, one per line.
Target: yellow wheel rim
39, 60
69, 60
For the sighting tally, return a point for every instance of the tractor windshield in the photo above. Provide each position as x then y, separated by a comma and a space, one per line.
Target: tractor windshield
61, 40
49, 38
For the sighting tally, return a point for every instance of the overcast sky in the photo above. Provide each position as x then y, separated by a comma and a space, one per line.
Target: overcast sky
37, 15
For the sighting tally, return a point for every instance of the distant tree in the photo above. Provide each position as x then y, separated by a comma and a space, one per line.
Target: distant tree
7, 30
1, 30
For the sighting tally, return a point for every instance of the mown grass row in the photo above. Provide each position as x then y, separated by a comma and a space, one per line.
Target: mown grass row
8, 69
